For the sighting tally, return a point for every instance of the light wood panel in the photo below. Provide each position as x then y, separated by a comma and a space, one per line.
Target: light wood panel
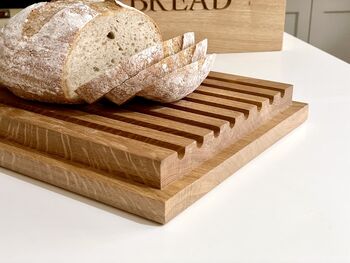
230, 25
153, 144
154, 204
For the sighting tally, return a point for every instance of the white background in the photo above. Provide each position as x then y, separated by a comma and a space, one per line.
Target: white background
290, 204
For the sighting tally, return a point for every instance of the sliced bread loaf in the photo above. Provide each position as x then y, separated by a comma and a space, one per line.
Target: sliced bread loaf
180, 82
111, 78
142, 82
51, 48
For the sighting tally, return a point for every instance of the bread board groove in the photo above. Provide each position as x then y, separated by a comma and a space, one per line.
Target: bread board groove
232, 94
243, 89
67, 117
259, 104
154, 126
178, 116
205, 110
259, 83
236, 105
230, 104
193, 111
242, 83
151, 143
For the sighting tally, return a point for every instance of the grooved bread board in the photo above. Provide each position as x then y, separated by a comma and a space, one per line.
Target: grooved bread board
150, 159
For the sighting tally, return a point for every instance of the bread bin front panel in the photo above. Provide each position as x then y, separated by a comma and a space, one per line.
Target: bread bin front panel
230, 25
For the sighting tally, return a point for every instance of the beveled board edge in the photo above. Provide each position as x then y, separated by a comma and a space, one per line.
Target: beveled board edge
156, 205
226, 163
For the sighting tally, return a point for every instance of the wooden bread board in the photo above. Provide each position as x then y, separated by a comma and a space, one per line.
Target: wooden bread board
143, 141
226, 123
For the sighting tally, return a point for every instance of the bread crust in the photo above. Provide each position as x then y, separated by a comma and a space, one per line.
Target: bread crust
36, 43
36, 60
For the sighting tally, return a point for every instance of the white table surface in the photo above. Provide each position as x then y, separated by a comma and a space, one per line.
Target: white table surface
290, 204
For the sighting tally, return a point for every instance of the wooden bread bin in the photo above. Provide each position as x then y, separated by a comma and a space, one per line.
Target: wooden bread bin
230, 25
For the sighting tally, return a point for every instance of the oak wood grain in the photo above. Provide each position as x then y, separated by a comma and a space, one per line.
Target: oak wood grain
149, 143
229, 25
151, 203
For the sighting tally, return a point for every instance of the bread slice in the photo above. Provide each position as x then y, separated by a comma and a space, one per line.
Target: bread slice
145, 78
51, 48
181, 82
104, 83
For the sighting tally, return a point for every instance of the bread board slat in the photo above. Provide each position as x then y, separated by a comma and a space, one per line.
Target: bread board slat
205, 109
127, 141
248, 81
154, 122
232, 95
238, 106
153, 204
238, 87
183, 117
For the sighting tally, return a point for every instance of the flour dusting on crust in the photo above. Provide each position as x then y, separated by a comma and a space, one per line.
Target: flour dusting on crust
35, 64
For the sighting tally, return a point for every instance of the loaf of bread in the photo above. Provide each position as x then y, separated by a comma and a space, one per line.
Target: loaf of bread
50, 49
77, 51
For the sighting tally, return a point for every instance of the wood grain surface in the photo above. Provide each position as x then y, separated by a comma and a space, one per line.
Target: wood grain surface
149, 143
230, 25
140, 199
